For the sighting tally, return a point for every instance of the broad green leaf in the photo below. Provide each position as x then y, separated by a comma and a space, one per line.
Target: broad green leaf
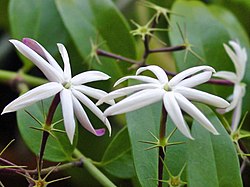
38, 20
117, 159
240, 8
98, 20
58, 148
236, 32
212, 160
205, 33
176, 155
141, 123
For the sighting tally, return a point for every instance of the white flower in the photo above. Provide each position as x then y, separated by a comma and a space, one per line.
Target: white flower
72, 91
175, 94
239, 58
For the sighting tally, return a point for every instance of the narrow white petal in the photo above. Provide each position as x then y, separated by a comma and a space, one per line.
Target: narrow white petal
83, 118
135, 101
193, 111
65, 57
94, 93
139, 78
39, 93
240, 53
196, 79
236, 116
236, 97
232, 55
227, 75
188, 72
202, 97
89, 76
159, 73
175, 114
126, 91
238, 56
38, 48
49, 71
88, 103
68, 113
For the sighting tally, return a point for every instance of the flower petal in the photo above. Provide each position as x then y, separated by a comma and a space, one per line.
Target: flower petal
202, 97
159, 73
242, 60
236, 116
135, 101
94, 93
39, 93
193, 111
125, 91
49, 71
196, 79
239, 58
39, 49
188, 72
238, 93
227, 75
88, 103
175, 114
68, 113
65, 57
89, 76
139, 78
83, 118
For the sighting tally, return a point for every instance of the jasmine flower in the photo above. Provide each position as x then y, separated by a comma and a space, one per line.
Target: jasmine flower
175, 95
72, 90
239, 57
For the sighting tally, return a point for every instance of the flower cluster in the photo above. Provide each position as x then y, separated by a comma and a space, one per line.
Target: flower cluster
176, 94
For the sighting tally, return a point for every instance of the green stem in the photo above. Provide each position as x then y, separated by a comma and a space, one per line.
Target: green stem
7, 76
93, 170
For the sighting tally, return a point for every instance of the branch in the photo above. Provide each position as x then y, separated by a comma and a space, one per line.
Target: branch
115, 56
7, 76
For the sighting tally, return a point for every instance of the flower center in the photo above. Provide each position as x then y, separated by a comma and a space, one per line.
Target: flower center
166, 87
67, 85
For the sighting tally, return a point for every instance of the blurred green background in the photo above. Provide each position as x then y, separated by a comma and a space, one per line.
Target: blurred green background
53, 21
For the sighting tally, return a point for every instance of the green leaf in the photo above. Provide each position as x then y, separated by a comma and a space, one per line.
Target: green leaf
117, 159
58, 148
212, 160
140, 124
205, 33
176, 155
238, 7
98, 19
38, 20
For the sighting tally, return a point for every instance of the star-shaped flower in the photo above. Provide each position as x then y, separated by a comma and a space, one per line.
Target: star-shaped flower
239, 58
175, 95
71, 89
